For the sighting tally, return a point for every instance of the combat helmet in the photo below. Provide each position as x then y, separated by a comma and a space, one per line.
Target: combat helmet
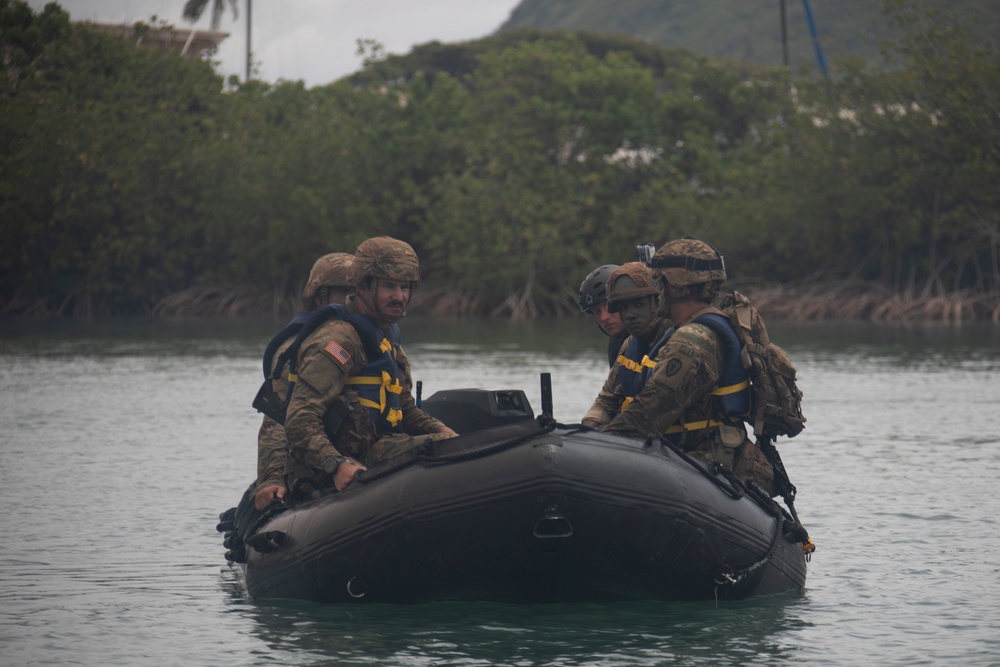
594, 288
689, 267
388, 258
629, 281
330, 271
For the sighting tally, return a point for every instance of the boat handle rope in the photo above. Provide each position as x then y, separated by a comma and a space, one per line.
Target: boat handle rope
737, 488
726, 577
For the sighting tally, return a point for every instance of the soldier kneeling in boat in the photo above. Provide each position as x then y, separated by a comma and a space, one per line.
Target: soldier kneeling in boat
696, 389
351, 405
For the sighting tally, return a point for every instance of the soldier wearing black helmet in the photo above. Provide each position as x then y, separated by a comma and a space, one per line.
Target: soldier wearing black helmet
329, 282
351, 405
697, 392
632, 294
593, 301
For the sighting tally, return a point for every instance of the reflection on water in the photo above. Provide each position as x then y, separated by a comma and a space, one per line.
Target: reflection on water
749, 632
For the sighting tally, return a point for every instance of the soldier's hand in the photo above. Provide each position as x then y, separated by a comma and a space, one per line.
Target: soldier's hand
345, 474
447, 431
266, 496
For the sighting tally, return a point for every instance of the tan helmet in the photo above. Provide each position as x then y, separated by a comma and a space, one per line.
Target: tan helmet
688, 262
629, 281
333, 270
386, 257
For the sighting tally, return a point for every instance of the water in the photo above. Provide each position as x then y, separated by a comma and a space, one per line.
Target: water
122, 441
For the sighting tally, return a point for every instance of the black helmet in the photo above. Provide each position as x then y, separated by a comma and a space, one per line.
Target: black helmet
594, 288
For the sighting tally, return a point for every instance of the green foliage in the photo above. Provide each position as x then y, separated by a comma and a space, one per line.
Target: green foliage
513, 164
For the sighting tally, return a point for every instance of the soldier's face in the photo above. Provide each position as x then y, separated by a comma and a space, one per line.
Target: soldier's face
391, 297
637, 314
610, 323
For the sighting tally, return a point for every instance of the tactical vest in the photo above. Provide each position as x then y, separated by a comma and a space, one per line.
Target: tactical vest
733, 393
266, 401
377, 383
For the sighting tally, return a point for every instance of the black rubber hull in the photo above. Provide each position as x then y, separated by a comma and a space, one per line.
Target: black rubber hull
563, 516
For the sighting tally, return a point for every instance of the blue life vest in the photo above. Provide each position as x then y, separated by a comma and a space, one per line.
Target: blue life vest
289, 330
377, 384
631, 368
733, 392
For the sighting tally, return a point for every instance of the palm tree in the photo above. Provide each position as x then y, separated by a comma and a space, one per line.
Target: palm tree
193, 9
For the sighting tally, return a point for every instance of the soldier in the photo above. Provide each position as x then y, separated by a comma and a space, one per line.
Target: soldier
694, 393
351, 405
329, 282
593, 301
632, 294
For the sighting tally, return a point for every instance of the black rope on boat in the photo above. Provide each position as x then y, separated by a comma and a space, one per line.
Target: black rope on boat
546, 424
728, 578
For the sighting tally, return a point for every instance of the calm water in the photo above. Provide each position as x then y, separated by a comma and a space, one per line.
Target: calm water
123, 441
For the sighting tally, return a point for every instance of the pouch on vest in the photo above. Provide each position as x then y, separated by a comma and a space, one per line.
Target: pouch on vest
268, 403
333, 419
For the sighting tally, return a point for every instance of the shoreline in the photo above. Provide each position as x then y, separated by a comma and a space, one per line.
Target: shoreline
865, 302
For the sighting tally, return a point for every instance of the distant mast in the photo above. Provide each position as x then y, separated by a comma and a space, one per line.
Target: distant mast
249, 2
815, 39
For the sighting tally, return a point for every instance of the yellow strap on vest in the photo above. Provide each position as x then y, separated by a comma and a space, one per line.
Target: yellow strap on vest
292, 377
628, 399
731, 389
633, 366
693, 426
386, 384
385, 345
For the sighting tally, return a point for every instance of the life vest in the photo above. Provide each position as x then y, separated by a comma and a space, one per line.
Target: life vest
632, 365
266, 400
377, 383
733, 392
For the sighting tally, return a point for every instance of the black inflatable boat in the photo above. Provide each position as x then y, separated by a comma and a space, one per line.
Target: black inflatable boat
524, 510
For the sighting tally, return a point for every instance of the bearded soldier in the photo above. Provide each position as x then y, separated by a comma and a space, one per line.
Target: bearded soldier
697, 391
351, 405
632, 296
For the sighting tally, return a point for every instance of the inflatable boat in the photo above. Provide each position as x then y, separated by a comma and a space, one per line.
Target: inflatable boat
522, 509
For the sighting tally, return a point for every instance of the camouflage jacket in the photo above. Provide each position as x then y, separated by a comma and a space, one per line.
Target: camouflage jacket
688, 367
612, 395
271, 441
328, 357
677, 391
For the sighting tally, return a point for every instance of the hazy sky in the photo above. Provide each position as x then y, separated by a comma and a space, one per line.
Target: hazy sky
313, 40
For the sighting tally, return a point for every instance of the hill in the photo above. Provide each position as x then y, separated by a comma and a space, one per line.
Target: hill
746, 30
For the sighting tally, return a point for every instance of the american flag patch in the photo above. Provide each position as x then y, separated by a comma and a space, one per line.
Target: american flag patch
334, 349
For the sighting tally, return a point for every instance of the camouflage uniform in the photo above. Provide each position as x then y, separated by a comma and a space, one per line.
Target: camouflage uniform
330, 361
676, 399
322, 380
626, 283
332, 271
271, 442
677, 392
